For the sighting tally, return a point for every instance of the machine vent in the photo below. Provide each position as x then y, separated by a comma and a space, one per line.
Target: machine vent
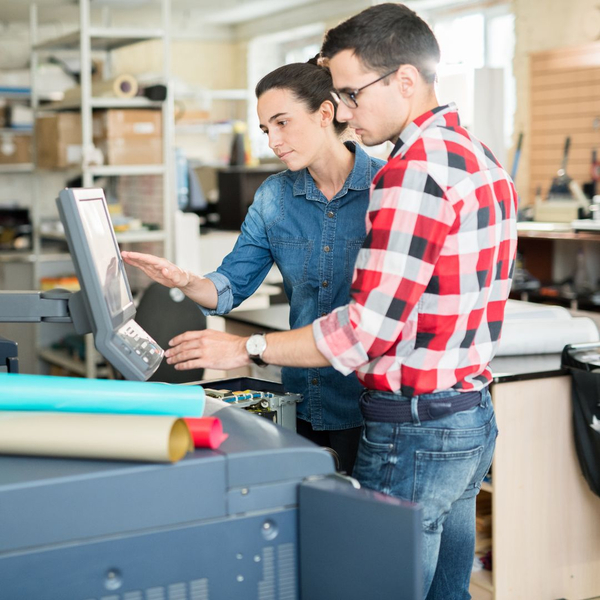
199, 589
288, 584
177, 591
266, 587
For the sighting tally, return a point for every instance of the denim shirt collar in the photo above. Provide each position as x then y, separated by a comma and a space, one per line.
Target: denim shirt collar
359, 179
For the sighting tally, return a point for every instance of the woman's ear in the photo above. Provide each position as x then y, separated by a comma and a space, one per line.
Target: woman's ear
327, 113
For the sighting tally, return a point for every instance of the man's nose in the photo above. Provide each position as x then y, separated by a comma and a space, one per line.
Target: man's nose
343, 113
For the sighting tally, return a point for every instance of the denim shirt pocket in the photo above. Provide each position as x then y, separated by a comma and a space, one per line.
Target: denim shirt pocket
352, 248
292, 256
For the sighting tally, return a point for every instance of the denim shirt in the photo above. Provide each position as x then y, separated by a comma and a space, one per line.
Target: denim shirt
314, 243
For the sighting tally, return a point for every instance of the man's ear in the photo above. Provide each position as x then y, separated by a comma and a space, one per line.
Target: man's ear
407, 78
327, 113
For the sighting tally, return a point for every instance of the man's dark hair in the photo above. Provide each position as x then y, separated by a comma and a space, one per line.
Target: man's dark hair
386, 36
308, 82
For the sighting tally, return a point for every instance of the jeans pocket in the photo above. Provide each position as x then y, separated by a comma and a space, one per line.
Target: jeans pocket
378, 436
440, 479
372, 467
486, 459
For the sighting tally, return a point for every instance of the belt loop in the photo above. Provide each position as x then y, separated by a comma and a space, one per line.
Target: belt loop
414, 410
484, 398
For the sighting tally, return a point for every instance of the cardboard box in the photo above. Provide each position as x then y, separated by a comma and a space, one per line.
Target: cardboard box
15, 149
127, 151
58, 139
129, 136
127, 123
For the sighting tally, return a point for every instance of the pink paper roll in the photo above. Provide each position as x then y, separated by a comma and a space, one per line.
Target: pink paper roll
207, 432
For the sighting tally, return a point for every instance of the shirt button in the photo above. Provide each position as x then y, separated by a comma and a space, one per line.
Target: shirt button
330, 214
327, 248
325, 283
315, 381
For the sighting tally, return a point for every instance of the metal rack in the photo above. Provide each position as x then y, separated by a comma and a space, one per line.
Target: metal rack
19, 94
86, 39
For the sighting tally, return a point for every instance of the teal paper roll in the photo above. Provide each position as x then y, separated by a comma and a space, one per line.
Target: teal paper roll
71, 394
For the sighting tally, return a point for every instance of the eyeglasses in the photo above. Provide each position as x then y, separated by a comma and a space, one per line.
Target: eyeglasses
349, 98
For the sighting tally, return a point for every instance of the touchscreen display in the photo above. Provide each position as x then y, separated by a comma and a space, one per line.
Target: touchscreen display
105, 252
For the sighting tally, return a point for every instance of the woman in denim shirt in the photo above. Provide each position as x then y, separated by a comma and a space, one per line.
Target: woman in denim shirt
310, 221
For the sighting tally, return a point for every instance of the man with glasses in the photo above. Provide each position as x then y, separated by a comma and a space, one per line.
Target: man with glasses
428, 293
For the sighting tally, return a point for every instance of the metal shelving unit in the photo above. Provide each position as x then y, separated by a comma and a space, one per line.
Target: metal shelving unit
20, 95
101, 38
104, 103
86, 39
120, 170
124, 237
61, 358
18, 130
17, 168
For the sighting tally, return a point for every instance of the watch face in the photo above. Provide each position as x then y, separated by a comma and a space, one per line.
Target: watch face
256, 345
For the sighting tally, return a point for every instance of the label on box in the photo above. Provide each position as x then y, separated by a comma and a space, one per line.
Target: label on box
8, 147
143, 128
74, 153
14, 149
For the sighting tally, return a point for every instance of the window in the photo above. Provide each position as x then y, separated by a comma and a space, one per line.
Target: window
476, 73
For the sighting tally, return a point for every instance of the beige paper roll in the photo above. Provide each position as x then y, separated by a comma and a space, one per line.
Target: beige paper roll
100, 436
122, 86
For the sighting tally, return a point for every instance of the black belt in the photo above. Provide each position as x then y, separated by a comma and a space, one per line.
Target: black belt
386, 410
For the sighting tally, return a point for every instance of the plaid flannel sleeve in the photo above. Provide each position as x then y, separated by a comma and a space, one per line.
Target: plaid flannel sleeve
408, 221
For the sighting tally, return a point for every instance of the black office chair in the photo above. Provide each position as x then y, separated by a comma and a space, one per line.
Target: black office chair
165, 313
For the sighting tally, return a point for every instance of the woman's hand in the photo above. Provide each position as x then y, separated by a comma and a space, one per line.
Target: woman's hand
207, 349
158, 269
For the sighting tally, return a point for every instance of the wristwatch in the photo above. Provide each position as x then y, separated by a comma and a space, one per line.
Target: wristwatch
255, 346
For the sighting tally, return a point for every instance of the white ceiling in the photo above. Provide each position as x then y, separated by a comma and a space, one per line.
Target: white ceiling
221, 12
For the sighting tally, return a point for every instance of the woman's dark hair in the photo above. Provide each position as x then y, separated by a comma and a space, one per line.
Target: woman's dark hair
386, 36
309, 82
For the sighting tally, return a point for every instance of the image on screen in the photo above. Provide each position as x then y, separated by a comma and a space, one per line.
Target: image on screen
98, 230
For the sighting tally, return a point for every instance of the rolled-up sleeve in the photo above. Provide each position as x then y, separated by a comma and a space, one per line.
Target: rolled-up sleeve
337, 342
224, 294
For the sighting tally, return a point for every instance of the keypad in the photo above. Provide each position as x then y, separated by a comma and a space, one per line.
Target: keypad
134, 340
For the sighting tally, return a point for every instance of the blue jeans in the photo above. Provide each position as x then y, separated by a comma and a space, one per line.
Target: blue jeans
440, 465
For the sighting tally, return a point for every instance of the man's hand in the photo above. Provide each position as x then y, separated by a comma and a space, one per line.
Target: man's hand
207, 349
159, 269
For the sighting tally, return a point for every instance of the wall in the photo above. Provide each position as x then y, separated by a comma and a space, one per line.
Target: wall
543, 25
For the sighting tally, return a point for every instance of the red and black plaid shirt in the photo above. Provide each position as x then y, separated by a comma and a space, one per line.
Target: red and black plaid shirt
433, 276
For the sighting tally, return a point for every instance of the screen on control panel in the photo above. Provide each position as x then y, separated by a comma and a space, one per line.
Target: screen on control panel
107, 258
105, 297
